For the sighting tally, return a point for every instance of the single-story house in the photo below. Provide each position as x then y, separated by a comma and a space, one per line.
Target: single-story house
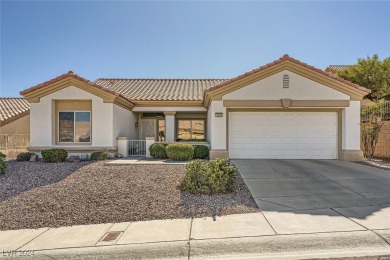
14, 116
14, 123
283, 110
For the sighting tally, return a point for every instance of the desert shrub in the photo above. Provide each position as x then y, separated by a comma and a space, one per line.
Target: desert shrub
23, 156
209, 177
158, 151
3, 163
54, 155
99, 156
370, 129
200, 151
180, 152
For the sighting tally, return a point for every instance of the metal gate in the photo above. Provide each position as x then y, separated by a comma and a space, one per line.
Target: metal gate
137, 148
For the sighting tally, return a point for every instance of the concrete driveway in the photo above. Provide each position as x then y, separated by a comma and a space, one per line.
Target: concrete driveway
287, 185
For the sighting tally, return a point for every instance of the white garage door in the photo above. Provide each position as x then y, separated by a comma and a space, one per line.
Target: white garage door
283, 135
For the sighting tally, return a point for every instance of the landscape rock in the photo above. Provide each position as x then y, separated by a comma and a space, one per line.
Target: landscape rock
34, 195
33, 158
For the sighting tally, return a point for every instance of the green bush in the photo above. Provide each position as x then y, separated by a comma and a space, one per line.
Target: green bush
158, 151
54, 155
180, 152
209, 177
99, 156
200, 151
23, 156
3, 163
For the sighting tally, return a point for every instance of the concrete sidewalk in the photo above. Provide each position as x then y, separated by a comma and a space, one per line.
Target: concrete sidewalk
256, 235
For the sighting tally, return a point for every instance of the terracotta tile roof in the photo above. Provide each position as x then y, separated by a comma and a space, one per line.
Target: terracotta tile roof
335, 68
288, 58
160, 89
174, 89
13, 107
71, 74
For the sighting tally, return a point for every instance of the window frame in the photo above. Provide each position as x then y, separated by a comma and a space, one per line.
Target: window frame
74, 126
191, 119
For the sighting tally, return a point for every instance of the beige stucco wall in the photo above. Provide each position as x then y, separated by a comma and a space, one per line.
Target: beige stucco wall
351, 126
42, 127
124, 123
216, 126
300, 88
18, 126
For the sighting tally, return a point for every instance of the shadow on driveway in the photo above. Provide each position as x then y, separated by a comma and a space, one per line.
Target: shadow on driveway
319, 187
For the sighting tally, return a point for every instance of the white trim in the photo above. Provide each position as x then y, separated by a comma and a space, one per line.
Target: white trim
74, 126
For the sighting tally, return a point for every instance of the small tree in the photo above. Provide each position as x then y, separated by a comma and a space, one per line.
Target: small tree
371, 126
371, 73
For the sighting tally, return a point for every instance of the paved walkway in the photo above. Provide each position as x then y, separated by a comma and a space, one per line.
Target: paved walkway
264, 234
142, 160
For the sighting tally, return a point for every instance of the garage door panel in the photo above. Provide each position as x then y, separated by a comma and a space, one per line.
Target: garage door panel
283, 135
243, 140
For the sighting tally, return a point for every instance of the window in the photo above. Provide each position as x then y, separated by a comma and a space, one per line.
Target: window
191, 129
74, 127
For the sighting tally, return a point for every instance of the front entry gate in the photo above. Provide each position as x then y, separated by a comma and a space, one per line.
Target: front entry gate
137, 148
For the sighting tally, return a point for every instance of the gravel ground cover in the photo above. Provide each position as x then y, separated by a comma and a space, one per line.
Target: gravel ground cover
37, 195
382, 163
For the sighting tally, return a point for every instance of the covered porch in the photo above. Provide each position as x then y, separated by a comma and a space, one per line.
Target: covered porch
154, 126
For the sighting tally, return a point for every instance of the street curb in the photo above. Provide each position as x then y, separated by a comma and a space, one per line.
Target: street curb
302, 246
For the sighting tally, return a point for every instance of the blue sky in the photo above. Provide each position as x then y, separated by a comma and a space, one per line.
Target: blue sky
41, 40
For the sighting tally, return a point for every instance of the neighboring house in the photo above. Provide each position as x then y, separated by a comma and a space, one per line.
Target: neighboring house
15, 122
283, 110
14, 116
334, 68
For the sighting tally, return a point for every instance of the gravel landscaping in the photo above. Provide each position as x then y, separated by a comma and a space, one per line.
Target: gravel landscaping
381, 163
34, 195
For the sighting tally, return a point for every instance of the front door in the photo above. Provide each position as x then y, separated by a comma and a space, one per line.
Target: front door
147, 128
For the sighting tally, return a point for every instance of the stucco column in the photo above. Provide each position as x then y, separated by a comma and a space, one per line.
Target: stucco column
350, 149
149, 142
169, 126
217, 130
123, 146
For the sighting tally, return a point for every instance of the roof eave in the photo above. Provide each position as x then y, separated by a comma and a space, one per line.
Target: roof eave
34, 94
356, 91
